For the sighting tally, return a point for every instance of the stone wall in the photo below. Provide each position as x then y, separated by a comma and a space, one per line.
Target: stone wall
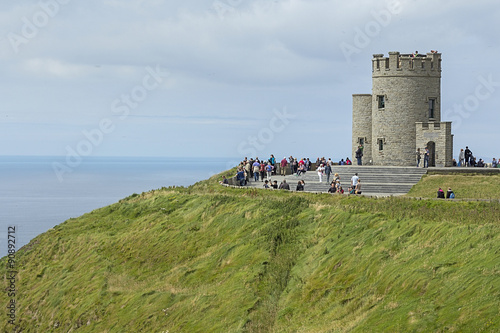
362, 126
440, 134
406, 88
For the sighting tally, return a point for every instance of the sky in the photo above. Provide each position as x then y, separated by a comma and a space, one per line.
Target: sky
229, 78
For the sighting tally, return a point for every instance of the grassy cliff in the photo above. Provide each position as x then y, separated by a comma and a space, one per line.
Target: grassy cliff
213, 259
465, 186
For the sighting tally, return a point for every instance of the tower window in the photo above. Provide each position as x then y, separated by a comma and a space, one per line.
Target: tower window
381, 101
432, 108
380, 143
361, 141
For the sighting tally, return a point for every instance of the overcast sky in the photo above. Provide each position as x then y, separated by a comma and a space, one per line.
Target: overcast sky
229, 78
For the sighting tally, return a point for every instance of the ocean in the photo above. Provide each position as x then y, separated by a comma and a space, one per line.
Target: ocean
34, 197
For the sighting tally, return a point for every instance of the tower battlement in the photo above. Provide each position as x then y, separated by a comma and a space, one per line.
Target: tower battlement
398, 64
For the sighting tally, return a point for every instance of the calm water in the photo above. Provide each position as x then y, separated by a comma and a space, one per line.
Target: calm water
34, 199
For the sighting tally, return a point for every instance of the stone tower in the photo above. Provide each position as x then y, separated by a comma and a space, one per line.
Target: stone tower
403, 112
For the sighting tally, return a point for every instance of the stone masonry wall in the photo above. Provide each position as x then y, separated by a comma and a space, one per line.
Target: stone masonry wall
362, 125
440, 134
407, 86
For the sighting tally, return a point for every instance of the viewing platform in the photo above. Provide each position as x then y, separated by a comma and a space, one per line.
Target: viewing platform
375, 180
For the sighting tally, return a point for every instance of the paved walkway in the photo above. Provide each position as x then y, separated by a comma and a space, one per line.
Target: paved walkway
375, 180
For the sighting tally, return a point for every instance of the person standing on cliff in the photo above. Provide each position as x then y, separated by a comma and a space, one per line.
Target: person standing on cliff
248, 168
283, 165
256, 169
240, 176
290, 162
262, 171
468, 156
461, 158
269, 170
328, 171
295, 165
272, 161
426, 157
359, 154
354, 180
320, 169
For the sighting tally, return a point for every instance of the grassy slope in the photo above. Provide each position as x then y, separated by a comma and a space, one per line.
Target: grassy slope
465, 186
211, 259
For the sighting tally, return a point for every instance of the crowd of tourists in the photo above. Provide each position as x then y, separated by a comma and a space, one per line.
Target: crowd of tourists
336, 186
467, 159
263, 171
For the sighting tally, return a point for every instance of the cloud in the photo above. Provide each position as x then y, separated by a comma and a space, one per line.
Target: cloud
51, 67
231, 67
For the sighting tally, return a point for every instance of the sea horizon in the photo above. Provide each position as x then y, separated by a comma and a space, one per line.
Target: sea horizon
34, 199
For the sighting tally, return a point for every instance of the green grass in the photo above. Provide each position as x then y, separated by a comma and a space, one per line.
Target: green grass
465, 186
214, 259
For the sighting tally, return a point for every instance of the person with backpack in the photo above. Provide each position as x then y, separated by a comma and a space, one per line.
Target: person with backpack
450, 194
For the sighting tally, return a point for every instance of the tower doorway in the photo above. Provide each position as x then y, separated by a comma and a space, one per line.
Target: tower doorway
431, 145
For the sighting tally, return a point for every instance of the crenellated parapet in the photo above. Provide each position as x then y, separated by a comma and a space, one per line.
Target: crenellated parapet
413, 64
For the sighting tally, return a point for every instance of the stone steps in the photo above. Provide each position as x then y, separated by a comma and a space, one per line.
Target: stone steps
375, 180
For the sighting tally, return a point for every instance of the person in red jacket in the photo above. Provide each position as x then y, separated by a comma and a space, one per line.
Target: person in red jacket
283, 165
